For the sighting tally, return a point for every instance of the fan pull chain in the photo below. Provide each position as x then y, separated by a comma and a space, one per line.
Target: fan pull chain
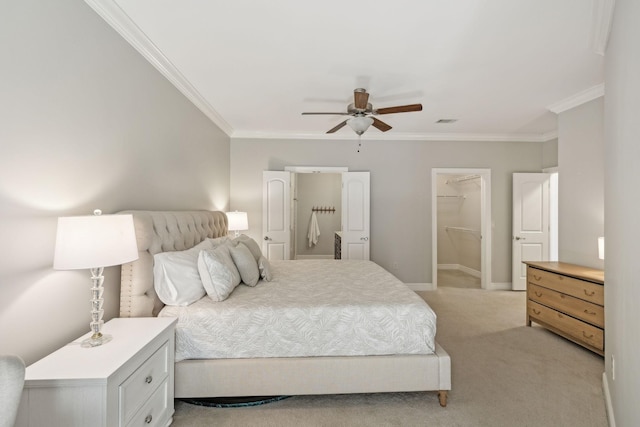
359, 142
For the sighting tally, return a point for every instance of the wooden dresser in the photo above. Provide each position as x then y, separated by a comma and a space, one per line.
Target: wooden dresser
567, 299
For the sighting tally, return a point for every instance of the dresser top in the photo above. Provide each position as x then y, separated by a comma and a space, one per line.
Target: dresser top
577, 271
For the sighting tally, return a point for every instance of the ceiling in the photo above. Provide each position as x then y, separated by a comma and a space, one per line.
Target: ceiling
497, 66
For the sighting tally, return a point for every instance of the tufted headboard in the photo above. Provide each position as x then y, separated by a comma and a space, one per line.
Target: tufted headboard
161, 231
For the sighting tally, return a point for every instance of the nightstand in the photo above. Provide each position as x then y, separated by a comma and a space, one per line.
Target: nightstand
126, 382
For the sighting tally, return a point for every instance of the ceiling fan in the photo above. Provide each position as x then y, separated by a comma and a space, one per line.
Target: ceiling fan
362, 113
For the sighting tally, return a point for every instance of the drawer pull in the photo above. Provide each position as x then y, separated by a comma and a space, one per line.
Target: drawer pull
538, 278
538, 294
148, 379
589, 294
591, 313
148, 419
536, 311
587, 336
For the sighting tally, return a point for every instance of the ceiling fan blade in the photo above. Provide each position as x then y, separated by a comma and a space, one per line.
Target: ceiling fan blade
333, 114
399, 109
380, 125
338, 127
360, 99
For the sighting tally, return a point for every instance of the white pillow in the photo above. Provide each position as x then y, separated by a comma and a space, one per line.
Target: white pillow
219, 241
251, 244
246, 263
265, 269
219, 274
175, 275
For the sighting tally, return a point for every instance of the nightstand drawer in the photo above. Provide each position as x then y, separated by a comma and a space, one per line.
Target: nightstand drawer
575, 307
584, 290
141, 384
154, 410
567, 325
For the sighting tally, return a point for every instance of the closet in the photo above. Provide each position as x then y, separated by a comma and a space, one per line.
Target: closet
459, 229
319, 195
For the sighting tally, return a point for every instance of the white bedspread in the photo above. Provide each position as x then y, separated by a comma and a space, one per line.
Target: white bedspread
311, 308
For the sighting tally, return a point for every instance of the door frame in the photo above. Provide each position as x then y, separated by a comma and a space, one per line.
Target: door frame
485, 221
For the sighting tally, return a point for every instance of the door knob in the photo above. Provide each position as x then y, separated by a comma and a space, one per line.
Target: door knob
364, 238
519, 238
267, 238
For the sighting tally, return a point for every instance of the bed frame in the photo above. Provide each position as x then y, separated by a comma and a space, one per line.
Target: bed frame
159, 231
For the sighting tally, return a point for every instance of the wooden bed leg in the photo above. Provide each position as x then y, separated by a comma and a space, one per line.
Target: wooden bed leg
442, 397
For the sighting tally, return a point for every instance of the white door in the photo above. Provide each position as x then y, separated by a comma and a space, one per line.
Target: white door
530, 223
355, 215
276, 211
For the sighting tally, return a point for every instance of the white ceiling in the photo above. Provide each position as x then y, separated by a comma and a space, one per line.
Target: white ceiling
496, 66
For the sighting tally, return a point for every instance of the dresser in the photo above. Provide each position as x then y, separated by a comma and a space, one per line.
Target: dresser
567, 299
125, 382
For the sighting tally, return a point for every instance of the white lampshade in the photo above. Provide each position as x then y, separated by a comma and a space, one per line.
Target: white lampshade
360, 124
94, 241
601, 247
238, 221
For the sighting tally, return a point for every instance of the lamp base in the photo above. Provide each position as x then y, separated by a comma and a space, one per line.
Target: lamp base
96, 340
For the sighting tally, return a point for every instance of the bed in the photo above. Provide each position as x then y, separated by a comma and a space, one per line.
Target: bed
256, 372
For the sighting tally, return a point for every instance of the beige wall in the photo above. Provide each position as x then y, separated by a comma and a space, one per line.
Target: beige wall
400, 189
622, 210
86, 123
581, 183
550, 153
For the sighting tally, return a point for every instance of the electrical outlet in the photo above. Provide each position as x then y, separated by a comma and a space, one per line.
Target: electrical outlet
613, 368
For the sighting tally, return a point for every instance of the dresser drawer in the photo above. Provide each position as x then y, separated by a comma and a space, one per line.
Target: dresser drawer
575, 307
584, 290
154, 410
567, 325
139, 387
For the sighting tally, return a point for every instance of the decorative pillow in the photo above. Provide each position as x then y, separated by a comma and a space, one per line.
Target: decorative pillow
251, 244
246, 263
265, 269
218, 272
175, 275
219, 241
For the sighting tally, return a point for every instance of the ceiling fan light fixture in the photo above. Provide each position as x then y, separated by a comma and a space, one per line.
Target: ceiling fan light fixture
360, 124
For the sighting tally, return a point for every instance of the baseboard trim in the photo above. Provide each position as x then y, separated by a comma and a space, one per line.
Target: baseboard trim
607, 400
460, 267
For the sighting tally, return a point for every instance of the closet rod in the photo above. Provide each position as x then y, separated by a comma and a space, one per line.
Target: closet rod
445, 196
462, 178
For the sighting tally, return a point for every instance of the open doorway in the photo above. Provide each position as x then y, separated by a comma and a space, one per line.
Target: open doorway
317, 200
461, 227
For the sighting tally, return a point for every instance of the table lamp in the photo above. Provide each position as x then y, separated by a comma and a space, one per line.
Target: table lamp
94, 242
238, 221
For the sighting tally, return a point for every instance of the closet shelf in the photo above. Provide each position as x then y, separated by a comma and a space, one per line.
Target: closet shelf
464, 230
462, 178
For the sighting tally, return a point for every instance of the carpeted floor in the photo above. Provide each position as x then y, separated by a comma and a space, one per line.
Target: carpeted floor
504, 374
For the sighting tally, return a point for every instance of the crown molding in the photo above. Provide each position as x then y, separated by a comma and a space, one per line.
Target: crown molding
601, 26
111, 12
577, 99
479, 137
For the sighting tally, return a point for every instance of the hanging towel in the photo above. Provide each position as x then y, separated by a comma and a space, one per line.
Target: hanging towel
314, 230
